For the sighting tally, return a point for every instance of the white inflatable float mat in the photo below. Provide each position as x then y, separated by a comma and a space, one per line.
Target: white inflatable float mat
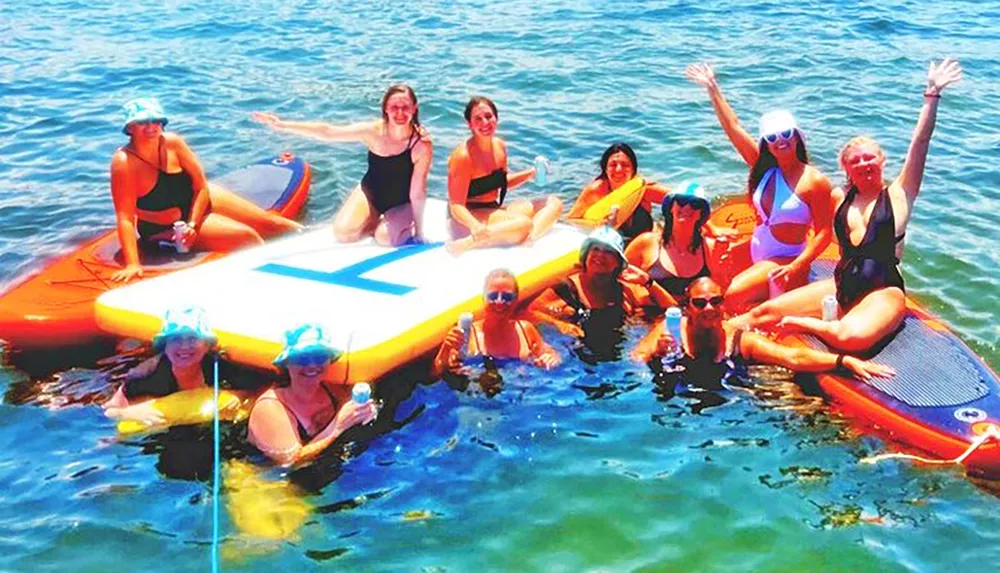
383, 306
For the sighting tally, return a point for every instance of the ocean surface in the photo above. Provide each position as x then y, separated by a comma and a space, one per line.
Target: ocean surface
593, 467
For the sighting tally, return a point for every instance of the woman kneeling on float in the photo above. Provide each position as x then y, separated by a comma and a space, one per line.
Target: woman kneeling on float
499, 336
301, 416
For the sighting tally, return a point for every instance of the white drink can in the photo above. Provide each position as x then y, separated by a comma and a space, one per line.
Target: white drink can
829, 307
180, 228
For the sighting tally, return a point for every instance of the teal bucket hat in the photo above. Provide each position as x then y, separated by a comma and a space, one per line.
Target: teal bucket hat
187, 321
687, 193
607, 238
142, 109
307, 338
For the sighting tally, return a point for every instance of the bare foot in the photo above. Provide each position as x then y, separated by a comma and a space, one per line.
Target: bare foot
457, 247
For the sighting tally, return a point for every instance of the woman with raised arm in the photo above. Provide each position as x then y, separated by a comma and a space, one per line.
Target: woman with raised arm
389, 201
789, 196
478, 181
157, 180
870, 224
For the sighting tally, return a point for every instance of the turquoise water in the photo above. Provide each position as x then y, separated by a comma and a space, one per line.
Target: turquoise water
589, 468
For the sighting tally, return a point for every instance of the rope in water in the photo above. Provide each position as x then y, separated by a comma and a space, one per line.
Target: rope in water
991, 432
215, 470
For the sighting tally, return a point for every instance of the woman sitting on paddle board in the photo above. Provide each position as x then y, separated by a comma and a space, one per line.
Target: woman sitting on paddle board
500, 335
478, 182
618, 165
870, 224
184, 361
788, 194
596, 300
301, 416
389, 201
156, 180
682, 251
711, 347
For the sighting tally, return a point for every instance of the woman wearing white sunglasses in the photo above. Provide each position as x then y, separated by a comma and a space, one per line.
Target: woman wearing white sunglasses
789, 195
500, 336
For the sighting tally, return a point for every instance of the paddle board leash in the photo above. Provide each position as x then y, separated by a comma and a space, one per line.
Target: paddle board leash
215, 465
992, 431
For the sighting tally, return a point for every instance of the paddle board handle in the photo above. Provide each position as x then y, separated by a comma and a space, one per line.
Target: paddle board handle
180, 228
361, 393
542, 168
464, 323
829, 308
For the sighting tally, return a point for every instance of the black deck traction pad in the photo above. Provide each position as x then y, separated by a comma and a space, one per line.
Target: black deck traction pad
260, 183
933, 369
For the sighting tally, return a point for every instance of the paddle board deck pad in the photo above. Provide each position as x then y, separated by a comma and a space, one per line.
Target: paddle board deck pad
943, 397
382, 306
55, 306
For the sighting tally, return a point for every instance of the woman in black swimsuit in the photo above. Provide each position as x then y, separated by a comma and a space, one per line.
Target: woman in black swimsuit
870, 223
389, 201
157, 180
681, 252
478, 182
301, 416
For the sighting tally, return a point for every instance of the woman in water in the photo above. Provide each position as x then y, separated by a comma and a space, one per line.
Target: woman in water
500, 335
681, 252
870, 224
788, 194
712, 347
184, 361
301, 416
477, 188
389, 201
618, 165
157, 180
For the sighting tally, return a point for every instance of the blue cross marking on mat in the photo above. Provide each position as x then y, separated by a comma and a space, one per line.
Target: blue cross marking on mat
351, 276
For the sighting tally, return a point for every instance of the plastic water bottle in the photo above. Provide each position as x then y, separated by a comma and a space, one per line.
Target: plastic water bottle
774, 290
672, 322
829, 308
361, 393
180, 229
465, 323
541, 170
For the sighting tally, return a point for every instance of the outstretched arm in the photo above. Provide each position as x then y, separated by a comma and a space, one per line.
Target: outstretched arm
764, 350
939, 76
423, 156
744, 143
363, 131
124, 199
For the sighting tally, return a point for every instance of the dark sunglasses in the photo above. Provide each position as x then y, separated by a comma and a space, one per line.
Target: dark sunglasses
309, 359
786, 135
715, 301
505, 297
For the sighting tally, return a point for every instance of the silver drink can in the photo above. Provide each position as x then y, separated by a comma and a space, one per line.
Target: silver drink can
829, 307
180, 227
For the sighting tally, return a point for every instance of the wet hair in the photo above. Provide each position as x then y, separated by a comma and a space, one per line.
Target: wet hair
502, 273
855, 142
476, 100
402, 89
685, 201
766, 160
612, 149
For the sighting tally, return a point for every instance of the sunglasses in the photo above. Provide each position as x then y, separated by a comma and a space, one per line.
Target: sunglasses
148, 122
785, 135
505, 297
309, 359
715, 301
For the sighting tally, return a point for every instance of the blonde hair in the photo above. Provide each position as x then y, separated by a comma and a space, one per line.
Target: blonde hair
856, 142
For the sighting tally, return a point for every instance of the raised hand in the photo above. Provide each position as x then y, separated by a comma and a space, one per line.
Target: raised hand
268, 119
941, 75
701, 74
